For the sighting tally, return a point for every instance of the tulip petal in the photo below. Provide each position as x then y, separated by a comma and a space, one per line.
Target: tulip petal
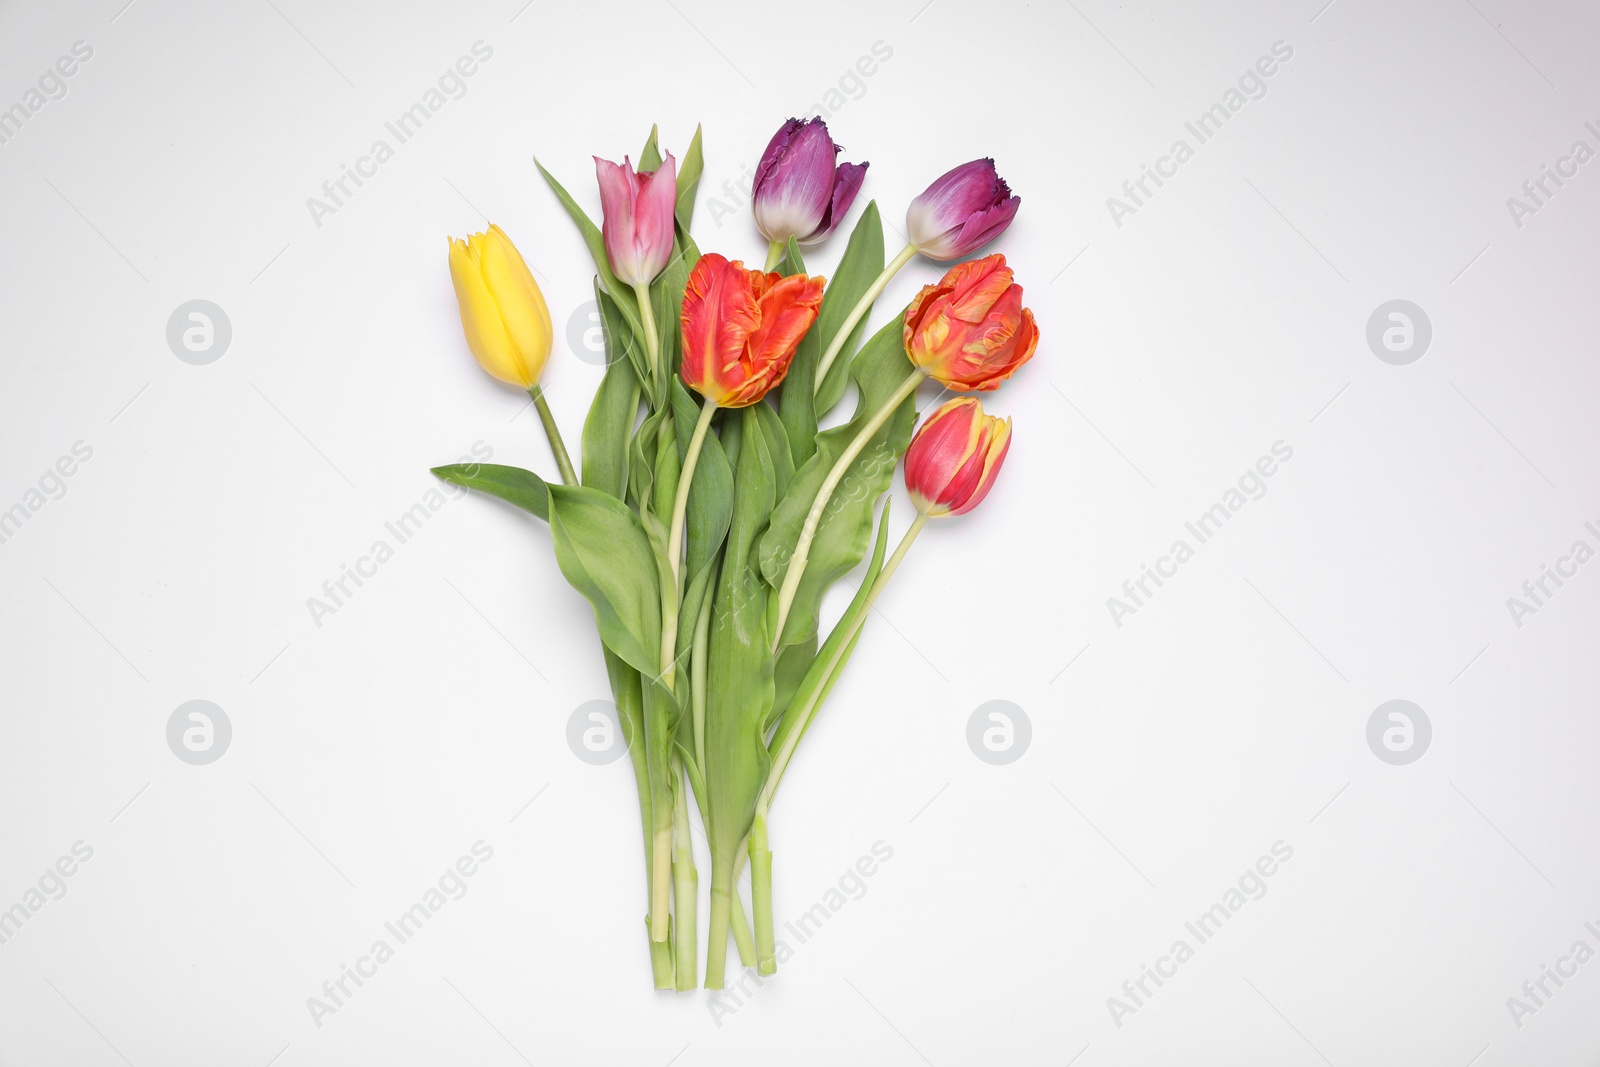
480, 317
520, 303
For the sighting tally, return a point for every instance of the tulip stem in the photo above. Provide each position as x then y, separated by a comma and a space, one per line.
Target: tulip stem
808, 532
680, 505
647, 320
862, 307
553, 432
774, 255
791, 740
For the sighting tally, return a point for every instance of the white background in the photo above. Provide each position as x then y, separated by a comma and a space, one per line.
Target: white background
1168, 754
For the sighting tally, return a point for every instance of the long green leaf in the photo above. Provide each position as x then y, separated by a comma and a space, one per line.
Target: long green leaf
860, 267
798, 404
740, 679
689, 171
605, 554
523, 488
846, 525
595, 240
612, 414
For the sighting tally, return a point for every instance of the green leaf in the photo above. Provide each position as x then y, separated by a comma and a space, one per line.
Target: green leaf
860, 267
799, 710
739, 681
798, 404
612, 414
603, 550
620, 340
710, 507
642, 453
791, 263
846, 525
650, 154
689, 171
793, 663
523, 488
596, 241
709, 511
777, 444
666, 295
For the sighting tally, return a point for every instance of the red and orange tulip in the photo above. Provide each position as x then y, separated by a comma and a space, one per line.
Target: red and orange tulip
954, 458
969, 330
741, 328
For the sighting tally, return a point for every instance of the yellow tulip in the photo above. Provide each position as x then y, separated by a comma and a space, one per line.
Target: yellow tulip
503, 313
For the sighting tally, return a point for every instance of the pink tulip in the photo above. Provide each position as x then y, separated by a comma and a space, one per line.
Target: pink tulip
638, 211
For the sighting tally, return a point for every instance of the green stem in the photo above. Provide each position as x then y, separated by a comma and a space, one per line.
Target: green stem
685, 889
862, 306
791, 740
647, 320
699, 665
680, 505
553, 432
761, 896
774, 254
808, 532
741, 926
723, 892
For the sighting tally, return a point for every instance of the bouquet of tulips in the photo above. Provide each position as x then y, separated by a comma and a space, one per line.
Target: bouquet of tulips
712, 512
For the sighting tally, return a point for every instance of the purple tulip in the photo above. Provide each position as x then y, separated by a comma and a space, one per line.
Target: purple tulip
799, 192
961, 211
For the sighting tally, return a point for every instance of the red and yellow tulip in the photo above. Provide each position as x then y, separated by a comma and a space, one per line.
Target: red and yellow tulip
969, 330
741, 328
954, 458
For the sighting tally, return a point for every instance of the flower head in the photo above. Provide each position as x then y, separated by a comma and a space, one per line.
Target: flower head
741, 328
969, 330
961, 211
502, 311
638, 210
954, 458
799, 191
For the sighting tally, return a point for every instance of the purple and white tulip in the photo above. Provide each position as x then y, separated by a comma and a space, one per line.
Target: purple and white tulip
961, 211
799, 190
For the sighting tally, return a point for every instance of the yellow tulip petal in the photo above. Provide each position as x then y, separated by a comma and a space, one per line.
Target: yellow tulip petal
480, 317
521, 304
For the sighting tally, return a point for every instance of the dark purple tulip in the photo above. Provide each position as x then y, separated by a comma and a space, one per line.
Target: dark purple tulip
799, 192
961, 211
